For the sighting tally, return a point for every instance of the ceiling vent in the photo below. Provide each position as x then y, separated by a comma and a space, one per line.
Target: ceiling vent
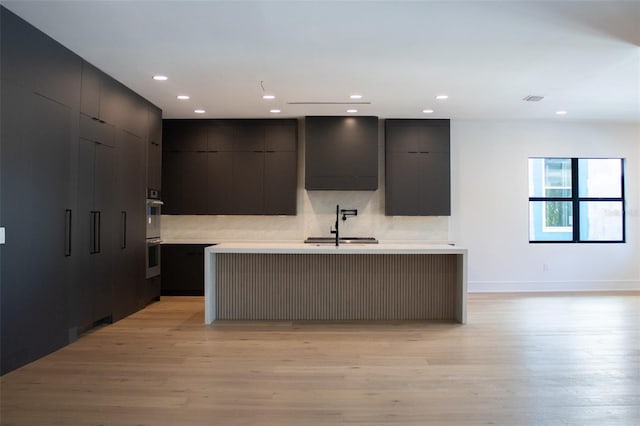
328, 103
533, 98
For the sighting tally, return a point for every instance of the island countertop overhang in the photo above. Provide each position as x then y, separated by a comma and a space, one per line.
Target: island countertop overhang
305, 248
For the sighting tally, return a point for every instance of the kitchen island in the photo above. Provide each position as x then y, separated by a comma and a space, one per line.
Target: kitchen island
296, 281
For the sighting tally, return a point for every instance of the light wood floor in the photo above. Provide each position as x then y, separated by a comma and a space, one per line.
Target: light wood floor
522, 360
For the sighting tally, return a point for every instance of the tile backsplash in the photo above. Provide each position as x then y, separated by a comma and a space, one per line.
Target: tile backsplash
316, 216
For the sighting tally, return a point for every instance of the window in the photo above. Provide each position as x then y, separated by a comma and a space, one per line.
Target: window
576, 200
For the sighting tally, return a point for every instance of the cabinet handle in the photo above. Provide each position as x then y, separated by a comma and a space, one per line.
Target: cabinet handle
413, 152
424, 152
270, 151
92, 233
257, 150
123, 216
98, 233
67, 232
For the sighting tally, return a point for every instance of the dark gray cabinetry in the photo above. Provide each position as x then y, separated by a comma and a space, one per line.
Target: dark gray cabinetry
183, 269
280, 168
36, 207
72, 163
184, 182
129, 285
184, 166
38, 63
97, 223
219, 190
154, 148
247, 182
341, 153
417, 168
230, 167
280, 182
99, 98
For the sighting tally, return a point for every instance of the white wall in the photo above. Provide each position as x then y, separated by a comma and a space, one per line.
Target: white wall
489, 210
490, 206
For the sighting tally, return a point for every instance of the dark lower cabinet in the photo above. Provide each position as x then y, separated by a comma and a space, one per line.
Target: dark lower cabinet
183, 269
417, 168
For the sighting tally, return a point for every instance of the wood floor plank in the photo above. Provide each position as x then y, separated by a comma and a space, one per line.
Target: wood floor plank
523, 359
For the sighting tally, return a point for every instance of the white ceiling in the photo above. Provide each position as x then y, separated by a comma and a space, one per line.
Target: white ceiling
583, 57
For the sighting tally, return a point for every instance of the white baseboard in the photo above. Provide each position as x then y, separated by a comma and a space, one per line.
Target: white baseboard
551, 286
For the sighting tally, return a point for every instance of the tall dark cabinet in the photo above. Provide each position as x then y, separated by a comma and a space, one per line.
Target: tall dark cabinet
72, 194
36, 201
96, 223
417, 167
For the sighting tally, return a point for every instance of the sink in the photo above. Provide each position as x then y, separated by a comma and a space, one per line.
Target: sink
343, 240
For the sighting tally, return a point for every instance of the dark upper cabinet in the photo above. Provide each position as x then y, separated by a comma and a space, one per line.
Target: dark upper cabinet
219, 190
104, 99
280, 182
184, 182
97, 131
185, 135
154, 148
220, 136
247, 182
341, 153
101, 96
248, 136
417, 168
250, 167
38, 63
92, 81
281, 136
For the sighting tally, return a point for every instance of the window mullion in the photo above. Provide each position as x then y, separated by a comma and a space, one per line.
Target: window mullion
575, 196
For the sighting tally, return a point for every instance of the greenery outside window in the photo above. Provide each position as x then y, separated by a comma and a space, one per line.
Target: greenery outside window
576, 200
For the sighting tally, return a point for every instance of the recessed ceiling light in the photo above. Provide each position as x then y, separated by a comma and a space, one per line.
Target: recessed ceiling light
356, 96
268, 97
352, 111
160, 77
427, 111
441, 97
183, 97
561, 112
199, 111
274, 111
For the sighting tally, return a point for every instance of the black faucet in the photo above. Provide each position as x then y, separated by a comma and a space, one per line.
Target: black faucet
345, 213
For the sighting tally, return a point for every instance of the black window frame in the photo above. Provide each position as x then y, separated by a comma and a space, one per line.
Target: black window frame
575, 200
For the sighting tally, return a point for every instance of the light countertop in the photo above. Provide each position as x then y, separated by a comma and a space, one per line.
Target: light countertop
302, 248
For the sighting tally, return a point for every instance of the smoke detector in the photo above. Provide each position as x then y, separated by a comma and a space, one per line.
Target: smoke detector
533, 98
